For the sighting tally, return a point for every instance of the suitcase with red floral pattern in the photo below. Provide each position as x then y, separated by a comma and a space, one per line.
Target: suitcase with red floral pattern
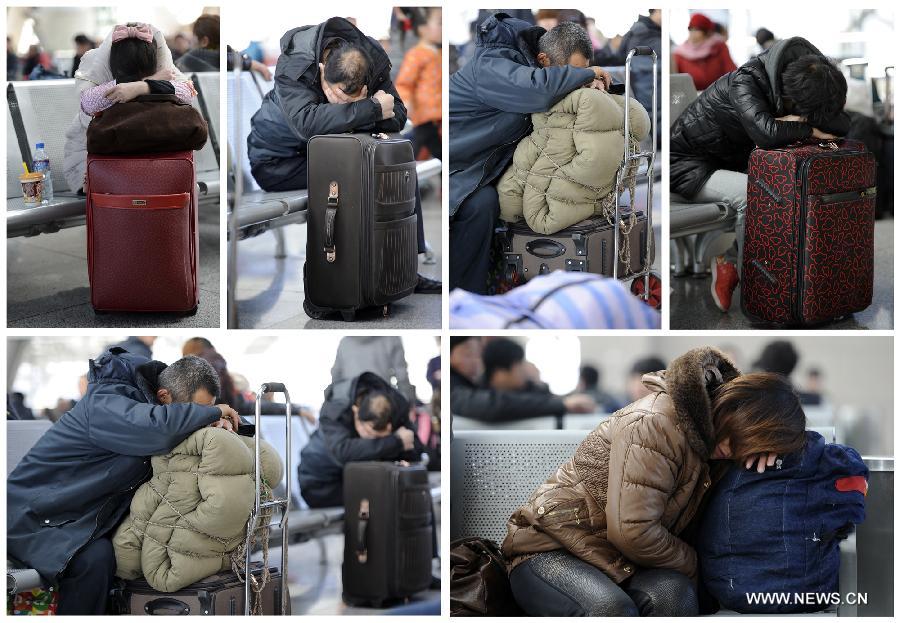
809, 247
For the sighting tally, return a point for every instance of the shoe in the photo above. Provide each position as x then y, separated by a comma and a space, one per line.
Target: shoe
428, 286
724, 281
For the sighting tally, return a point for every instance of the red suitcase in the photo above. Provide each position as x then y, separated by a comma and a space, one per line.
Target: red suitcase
809, 247
142, 239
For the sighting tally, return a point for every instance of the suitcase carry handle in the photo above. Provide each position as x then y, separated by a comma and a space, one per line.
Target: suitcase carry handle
362, 532
284, 504
330, 216
167, 606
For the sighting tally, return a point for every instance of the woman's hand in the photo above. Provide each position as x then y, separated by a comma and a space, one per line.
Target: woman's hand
822, 136
167, 73
797, 118
602, 78
762, 461
126, 92
261, 69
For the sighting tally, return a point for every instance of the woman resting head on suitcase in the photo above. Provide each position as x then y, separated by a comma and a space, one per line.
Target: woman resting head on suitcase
605, 535
132, 61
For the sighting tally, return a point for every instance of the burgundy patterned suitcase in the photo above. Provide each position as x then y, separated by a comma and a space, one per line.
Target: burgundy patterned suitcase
809, 240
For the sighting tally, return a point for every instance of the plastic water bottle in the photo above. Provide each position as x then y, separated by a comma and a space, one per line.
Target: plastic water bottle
42, 165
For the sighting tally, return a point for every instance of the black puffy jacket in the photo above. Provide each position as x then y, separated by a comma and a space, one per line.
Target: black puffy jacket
736, 113
336, 442
297, 109
77, 481
493, 405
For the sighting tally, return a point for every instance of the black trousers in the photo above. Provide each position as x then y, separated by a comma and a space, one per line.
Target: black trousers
471, 233
85, 584
428, 135
280, 174
561, 585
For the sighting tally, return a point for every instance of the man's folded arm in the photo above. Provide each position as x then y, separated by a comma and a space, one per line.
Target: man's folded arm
491, 405
308, 117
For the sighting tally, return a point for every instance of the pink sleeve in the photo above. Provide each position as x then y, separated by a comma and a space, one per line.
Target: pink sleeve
184, 91
94, 100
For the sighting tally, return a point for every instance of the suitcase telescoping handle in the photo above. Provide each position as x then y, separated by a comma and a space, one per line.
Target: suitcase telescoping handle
331, 208
284, 504
362, 532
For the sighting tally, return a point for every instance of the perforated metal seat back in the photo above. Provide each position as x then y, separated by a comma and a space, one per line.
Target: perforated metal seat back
48, 108
252, 90
495, 472
21, 435
681, 93
13, 159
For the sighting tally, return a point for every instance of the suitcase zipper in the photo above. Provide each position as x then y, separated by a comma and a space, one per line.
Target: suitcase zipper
804, 198
866, 193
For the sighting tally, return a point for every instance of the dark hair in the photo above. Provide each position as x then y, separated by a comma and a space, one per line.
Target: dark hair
348, 65
207, 25
764, 35
420, 16
758, 412
590, 375
779, 357
131, 59
82, 39
815, 87
227, 393
186, 376
646, 365
456, 340
564, 40
196, 345
375, 406
501, 354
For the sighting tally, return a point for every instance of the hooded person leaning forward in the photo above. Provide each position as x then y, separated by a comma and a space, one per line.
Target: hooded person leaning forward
604, 536
70, 491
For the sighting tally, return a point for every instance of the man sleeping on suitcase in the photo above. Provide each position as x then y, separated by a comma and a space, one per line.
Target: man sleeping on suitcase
362, 419
330, 79
789, 93
68, 494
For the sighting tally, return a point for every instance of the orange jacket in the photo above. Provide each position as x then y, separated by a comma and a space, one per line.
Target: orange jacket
419, 83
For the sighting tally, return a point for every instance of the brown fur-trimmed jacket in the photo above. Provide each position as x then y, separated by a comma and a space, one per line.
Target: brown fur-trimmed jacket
636, 480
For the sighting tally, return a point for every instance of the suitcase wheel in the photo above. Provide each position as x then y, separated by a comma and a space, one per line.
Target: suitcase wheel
654, 297
348, 316
193, 312
512, 277
312, 312
101, 312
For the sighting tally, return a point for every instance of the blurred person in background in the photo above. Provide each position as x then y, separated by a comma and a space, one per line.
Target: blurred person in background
635, 388
765, 39
83, 43
704, 55
12, 61
16, 409
204, 54
433, 372
469, 398
589, 384
381, 355
505, 367
34, 58
780, 357
814, 388
179, 45
789, 93
419, 82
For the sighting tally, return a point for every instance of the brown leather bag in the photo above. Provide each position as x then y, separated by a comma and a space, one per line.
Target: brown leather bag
479, 584
147, 124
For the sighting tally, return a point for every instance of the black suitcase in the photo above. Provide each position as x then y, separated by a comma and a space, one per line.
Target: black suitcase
361, 246
218, 594
387, 532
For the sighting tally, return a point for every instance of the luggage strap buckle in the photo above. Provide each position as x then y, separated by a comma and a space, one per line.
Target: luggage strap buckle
330, 216
362, 549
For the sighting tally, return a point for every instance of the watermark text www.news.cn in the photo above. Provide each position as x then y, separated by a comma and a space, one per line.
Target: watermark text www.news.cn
808, 599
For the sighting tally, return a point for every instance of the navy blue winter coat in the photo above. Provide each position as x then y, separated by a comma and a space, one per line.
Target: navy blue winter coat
492, 98
780, 531
75, 485
336, 443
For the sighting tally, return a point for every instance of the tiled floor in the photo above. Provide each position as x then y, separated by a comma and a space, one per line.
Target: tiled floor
693, 308
270, 290
47, 283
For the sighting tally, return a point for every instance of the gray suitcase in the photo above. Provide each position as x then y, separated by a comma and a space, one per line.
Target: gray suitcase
218, 594
587, 247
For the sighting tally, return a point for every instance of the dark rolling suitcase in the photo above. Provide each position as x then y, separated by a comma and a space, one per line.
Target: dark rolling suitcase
142, 239
387, 532
218, 594
361, 248
587, 247
809, 235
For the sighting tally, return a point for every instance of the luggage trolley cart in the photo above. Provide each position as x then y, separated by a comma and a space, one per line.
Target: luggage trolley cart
276, 503
645, 284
